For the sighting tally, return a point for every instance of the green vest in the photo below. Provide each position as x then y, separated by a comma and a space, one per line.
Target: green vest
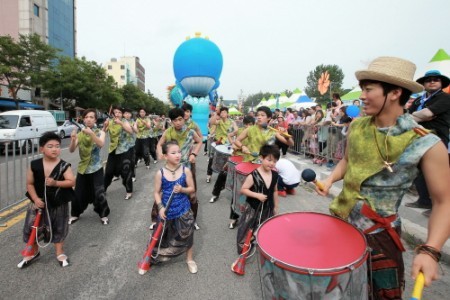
85, 146
256, 138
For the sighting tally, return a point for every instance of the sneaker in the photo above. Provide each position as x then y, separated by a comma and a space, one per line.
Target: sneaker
416, 204
115, 178
232, 224
151, 227
196, 226
213, 199
282, 193
72, 220
155, 161
133, 179
208, 179
291, 192
104, 220
192, 266
148, 167
128, 196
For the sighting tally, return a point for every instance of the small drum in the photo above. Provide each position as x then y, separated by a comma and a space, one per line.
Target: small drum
242, 171
231, 174
223, 152
312, 256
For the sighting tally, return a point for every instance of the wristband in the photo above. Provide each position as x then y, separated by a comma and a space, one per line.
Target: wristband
429, 250
160, 205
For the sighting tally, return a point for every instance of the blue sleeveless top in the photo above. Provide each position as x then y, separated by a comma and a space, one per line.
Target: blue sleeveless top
180, 202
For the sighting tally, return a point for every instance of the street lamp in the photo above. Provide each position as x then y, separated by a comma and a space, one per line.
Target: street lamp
60, 94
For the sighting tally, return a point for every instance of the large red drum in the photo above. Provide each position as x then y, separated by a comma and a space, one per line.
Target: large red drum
307, 255
231, 172
242, 171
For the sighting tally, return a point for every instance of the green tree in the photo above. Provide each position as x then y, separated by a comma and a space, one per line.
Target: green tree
336, 78
81, 83
24, 63
254, 100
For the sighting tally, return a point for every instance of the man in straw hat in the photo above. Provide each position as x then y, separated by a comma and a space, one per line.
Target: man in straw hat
432, 111
383, 153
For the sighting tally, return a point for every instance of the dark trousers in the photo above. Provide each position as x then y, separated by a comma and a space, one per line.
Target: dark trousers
142, 150
120, 164
218, 187
422, 190
89, 188
282, 186
282, 146
209, 170
152, 147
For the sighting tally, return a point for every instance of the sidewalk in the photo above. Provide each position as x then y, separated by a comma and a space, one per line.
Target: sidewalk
414, 224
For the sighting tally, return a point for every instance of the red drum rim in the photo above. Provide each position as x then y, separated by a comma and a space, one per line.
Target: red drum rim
246, 168
236, 158
345, 251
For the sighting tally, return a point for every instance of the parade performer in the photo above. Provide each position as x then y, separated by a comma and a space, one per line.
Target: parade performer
178, 232
46, 178
131, 141
220, 133
222, 177
142, 126
90, 180
190, 144
119, 158
259, 135
260, 187
383, 155
156, 130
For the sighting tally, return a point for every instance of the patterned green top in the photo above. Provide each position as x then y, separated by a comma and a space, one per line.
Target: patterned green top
114, 131
222, 130
143, 131
90, 160
256, 138
366, 179
185, 139
126, 140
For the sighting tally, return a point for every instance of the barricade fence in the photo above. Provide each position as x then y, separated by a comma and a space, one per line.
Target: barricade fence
14, 163
323, 143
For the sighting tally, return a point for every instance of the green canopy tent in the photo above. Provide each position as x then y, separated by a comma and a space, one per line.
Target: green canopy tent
352, 95
234, 112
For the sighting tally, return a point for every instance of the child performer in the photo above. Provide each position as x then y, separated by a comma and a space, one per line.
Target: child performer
142, 126
259, 135
178, 233
130, 139
119, 158
42, 188
190, 144
90, 180
260, 187
222, 177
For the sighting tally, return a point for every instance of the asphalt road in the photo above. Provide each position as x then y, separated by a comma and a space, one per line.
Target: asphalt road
104, 258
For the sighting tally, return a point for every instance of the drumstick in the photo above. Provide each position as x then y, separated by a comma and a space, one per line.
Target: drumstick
418, 287
309, 175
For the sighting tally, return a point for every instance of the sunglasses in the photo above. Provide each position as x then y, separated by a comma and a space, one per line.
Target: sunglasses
432, 79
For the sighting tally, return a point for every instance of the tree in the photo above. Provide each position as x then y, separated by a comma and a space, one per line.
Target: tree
336, 78
24, 63
81, 83
254, 99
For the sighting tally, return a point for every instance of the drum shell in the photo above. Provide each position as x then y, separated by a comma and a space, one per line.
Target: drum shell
233, 161
221, 155
283, 280
242, 170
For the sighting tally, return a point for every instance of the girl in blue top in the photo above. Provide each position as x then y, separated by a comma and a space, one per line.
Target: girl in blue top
178, 234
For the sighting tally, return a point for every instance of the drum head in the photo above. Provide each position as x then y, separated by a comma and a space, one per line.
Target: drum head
237, 159
304, 241
224, 149
246, 168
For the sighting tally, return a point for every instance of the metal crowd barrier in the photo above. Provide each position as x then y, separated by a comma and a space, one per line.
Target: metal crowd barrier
323, 143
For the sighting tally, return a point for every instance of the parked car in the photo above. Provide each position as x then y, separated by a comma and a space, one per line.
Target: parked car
25, 127
66, 128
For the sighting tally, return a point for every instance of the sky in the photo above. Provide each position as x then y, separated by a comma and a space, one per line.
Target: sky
267, 46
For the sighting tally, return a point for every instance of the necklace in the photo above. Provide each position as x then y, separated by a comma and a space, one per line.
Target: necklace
387, 164
172, 171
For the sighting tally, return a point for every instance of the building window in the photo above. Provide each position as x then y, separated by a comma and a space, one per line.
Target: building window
122, 67
122, 77
36, 10
109, 67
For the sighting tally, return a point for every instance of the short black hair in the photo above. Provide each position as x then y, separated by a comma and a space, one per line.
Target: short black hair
118, 108
266, 110
166, 145
89, 110
224, 108
187, 106
346, 119
248, 120
336, 96
267, 150
175, 113
387, 88
48, 136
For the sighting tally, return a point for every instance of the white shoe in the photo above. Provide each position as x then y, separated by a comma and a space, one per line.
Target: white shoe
196, 226
148, 167
115, 178
155, 161
151, 227
208, 179
72, 220
133, 179
213, 199
104, 220
192, 266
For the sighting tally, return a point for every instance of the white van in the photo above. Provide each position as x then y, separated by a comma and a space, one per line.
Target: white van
25, 127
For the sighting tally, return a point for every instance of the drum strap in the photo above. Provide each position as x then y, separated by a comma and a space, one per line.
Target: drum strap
381, 222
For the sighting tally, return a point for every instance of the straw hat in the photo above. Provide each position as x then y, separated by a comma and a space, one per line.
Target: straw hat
391, 70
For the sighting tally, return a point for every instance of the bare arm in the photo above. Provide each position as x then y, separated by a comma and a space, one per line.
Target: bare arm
240, 138
73, 141
434, 165
161, 142
198, 145
423, 115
